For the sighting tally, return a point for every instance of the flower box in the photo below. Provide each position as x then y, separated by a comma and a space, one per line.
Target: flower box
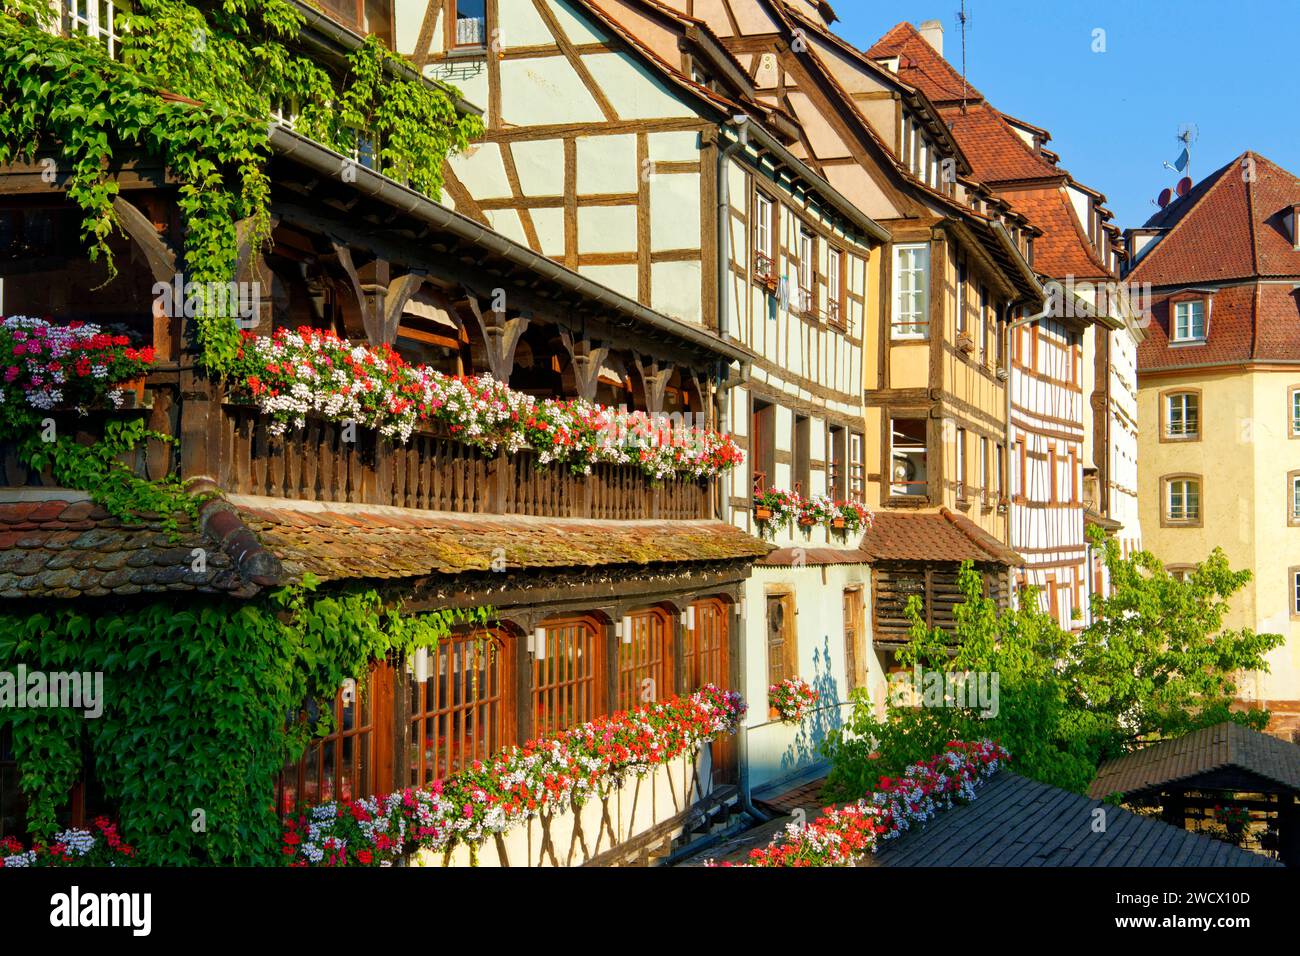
807, 521
791, 700
762, 514
132, 392
837, 523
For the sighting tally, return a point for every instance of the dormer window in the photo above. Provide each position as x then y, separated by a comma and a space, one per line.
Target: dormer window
1189, 321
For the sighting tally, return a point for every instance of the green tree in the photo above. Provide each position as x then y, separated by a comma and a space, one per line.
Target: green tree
1155, 662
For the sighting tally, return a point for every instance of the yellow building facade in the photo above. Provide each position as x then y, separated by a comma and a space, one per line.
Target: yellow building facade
1219, 401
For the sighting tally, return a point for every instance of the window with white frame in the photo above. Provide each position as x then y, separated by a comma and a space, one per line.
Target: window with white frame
911, 291
984, 470
1295, 497
961, 463
835, 286
1182, 415
96, 19
763, 233
961, 295
1189, 321
805, 302
1295, 412
984, 322
1183, 499
1295, 591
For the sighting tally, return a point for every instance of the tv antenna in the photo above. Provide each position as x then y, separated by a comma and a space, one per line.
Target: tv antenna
962, 20
1188, 134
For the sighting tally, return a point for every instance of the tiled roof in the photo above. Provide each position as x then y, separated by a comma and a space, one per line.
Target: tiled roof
939, 535
1253, 321
996, 153
72, 548
1228, 226
335, 542
1015, 821
1063, 249
1211, 748
921, 66
788, 557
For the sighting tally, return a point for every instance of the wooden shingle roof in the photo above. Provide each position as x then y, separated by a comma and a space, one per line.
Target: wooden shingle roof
1015, 821
1223, 746
941, 535
67, 547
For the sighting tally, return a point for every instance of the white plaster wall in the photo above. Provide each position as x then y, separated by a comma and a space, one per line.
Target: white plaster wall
778, 750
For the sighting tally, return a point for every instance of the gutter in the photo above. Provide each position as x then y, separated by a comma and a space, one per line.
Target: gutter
327, 162
339, 36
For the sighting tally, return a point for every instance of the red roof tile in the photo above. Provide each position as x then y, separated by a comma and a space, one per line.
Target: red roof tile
939, 535
921, 66
996, 153
1248, 322
1063, 249
1229, 226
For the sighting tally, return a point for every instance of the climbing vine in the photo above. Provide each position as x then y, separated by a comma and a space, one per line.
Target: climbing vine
196, 87
197, 706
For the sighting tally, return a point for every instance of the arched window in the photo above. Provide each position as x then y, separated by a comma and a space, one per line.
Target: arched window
354, 759
462, 711
645, 658
568, 674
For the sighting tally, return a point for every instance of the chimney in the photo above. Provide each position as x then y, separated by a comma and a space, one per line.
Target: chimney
932, 32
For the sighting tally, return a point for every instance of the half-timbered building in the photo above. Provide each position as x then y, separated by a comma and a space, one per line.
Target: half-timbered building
627, 142
1057, 451
954, 268
607, 590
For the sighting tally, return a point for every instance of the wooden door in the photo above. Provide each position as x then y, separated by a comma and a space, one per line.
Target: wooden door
852, 636
706, 659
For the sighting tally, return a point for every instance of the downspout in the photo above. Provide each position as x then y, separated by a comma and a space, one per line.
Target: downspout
740, 123
1006, 350
742, 740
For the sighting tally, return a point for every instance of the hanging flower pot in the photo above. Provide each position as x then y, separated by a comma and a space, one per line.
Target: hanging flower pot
762, 514
837, 523
807, 521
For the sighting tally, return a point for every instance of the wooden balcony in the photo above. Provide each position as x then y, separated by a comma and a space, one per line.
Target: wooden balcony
430, 472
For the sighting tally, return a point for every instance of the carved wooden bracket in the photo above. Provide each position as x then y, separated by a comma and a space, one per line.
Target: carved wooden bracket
500, 334
655, 378
379, 299
157, 251
587, 360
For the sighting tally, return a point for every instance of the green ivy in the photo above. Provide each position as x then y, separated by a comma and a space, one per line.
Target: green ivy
99, 469
236, 62
198, 696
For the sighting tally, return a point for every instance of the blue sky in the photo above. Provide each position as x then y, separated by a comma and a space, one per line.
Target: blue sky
1228, 67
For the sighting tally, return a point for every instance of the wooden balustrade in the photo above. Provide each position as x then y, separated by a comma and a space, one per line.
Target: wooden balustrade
430, 472
436, 473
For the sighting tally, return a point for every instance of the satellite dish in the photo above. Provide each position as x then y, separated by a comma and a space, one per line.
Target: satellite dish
1165, 197
1184, 186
